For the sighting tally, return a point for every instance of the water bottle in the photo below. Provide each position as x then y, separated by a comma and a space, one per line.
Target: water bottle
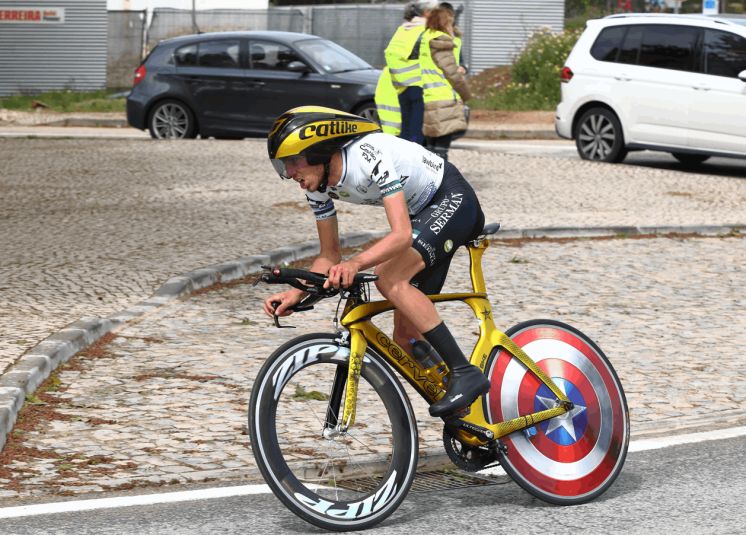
429, 359
425, 354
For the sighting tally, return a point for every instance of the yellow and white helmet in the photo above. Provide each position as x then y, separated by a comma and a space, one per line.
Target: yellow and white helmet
314, 133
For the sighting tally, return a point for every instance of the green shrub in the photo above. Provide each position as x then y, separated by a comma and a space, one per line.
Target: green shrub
535, 81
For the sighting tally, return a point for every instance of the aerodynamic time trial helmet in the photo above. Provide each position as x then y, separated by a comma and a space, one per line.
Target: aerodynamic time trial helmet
314, 133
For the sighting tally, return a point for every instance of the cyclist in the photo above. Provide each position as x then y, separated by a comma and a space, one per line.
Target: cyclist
431, 208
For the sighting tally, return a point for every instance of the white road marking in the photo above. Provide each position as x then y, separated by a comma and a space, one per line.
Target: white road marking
247, 490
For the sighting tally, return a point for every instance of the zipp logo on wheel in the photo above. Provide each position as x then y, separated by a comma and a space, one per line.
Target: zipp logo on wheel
297, 361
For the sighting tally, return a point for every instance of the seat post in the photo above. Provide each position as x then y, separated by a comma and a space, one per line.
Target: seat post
476, 250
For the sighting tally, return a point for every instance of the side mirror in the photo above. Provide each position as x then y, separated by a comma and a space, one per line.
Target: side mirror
299, 66
742, 76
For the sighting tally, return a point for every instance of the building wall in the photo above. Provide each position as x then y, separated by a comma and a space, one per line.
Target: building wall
499, 29
38, 55
139, 5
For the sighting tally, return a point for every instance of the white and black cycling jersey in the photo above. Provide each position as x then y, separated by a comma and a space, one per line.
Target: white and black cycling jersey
378, 165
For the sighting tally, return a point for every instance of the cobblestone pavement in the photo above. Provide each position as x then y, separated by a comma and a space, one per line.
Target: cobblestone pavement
166, 400
90, 227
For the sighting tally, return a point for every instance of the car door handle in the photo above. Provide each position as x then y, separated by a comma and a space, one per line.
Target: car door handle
701, 88
622, 78
255, 83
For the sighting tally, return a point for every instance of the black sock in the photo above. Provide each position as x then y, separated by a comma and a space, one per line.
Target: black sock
443, 342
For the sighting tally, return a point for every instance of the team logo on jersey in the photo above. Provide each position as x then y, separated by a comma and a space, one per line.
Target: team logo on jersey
344, 194
332, 195
448, 246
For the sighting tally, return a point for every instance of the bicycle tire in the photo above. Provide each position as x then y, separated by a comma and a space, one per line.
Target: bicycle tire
355, 480
570, 459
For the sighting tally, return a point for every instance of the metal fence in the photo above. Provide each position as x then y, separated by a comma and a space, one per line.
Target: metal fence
494, 32
362, 29
173, 22
126, 40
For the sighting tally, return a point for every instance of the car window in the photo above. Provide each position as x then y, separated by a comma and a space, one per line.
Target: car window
271, 55
331, 57
608, 43
186, 56
725, 53
218, 54
669, 47
630, 52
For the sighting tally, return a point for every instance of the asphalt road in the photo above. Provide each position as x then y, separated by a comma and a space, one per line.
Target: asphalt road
565, 149
693, 488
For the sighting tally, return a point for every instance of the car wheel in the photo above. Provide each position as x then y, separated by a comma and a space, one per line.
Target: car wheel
171, 119
690, 159
368, 111
599, 136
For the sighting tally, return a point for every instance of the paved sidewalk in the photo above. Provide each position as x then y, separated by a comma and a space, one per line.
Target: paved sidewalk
165, 400
46, 124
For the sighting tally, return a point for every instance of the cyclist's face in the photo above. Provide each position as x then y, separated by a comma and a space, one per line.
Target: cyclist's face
307, 176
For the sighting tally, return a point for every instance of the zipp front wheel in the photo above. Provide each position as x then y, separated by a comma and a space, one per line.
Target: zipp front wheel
575, 457
336, 479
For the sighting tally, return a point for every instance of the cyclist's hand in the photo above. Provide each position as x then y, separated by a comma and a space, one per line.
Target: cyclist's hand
342, 275
286, 299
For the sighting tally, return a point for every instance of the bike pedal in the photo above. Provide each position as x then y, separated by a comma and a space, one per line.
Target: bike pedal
461, 413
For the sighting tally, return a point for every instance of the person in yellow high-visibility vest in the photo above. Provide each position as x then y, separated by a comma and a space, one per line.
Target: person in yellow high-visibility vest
402, 60
444, 85
387, 104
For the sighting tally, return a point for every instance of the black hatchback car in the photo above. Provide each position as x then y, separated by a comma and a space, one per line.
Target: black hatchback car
234, 84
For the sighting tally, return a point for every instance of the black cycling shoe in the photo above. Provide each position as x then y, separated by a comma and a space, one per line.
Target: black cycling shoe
465, 384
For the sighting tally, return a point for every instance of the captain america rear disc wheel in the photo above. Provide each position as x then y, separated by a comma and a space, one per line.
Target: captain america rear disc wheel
575, 457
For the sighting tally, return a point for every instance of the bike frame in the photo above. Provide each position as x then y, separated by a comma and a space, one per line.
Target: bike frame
356, 318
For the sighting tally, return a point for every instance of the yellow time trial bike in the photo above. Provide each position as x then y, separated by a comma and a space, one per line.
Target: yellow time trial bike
335, 437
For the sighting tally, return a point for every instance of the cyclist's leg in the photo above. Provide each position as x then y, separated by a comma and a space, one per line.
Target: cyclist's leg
452, 218
429, 281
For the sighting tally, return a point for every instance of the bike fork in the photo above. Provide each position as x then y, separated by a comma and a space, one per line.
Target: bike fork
346, 379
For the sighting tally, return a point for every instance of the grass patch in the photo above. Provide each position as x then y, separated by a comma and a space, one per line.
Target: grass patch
302, 394
66, 101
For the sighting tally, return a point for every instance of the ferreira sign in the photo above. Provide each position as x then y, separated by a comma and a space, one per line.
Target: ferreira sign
32, 15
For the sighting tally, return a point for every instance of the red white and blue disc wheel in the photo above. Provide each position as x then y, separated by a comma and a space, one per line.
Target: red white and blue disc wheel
575, 457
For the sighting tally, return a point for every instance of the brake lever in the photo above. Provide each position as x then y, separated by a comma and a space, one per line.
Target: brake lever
276, 318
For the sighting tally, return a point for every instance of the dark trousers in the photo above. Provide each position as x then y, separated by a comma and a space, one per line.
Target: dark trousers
439, 145
412, 114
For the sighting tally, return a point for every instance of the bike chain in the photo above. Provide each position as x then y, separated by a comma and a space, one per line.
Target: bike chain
468, 458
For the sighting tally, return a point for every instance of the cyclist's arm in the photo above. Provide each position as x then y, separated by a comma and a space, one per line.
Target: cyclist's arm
330, 252
394, 243
329, 255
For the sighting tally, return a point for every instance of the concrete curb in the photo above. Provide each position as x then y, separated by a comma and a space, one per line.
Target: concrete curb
511, 133
88, 122
33, 368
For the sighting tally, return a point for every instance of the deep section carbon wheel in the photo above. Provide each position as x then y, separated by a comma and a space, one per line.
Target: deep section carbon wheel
336, 479
571, 458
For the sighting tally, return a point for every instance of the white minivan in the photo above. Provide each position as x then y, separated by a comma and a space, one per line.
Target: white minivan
675, 83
